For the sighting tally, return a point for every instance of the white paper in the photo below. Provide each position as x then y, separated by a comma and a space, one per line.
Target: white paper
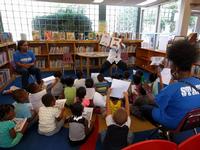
87, 114
48, 80
166, 75
134, 71
105, 40
115, 43
94, 77
109, 79
60, 103
156, 60
20, 122
99, 100
118, 87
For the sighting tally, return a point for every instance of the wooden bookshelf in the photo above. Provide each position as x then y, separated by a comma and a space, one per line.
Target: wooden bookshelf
143, 57
6, 69
52, 52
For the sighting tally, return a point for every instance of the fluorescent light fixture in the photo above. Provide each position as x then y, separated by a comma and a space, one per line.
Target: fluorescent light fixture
146, 2
98, 1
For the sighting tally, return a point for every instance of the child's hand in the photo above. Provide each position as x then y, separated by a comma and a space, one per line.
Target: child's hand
109, 91
125, 94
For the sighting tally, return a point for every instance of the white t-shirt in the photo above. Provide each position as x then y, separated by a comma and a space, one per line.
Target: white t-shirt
57, 90
90, 93
79, 82
47, 118
36, 99
110, 121
115, 55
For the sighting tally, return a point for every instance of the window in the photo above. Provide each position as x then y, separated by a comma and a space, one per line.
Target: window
192, 24
23, 16
121, 19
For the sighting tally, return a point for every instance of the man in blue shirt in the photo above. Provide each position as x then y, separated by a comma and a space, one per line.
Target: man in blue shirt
25, 60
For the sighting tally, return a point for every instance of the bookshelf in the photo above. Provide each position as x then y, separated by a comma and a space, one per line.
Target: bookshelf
143, 57
50, 53
6, 70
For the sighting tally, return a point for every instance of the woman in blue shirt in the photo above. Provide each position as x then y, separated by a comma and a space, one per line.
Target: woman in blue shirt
25, 61
178, 98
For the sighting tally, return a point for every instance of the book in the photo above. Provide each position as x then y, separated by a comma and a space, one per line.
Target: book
156, 60
48, 80
91, 36
87, 114
118, 87
48, 35
115, 43
105, 40
36, 35
60, 103
166, 75
70, 36
20, 122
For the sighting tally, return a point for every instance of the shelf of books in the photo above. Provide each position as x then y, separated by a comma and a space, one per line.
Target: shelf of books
6, 57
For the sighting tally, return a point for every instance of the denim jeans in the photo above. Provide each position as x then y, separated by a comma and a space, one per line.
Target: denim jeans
26, 73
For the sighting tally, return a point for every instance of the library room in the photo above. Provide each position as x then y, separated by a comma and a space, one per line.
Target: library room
100, 74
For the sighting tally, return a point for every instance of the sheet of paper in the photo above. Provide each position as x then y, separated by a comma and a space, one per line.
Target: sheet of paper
87, 114
99, 100
134, 71
105, 40
156, 60
166, 75
60, 103
115, 43
109, 79
20, 122
118, 87
48, 80
94, 77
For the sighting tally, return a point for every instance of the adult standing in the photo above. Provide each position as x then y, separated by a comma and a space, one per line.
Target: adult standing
177, 99
25, 61
114, 57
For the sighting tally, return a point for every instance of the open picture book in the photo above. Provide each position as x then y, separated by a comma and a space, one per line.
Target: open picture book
20, 122
87, 114
109, 41
48, 80
60, 103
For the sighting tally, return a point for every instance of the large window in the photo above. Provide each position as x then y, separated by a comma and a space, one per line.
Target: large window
192, 24
121, 18
23, 16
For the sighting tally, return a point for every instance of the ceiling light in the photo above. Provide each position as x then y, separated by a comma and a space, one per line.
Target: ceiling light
146, 2
98, 1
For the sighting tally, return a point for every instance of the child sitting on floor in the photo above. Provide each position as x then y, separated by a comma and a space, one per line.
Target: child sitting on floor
23, 109
80, 97
80, 81
102, 85
51, 119
118, 125
35, 95
69, 91
78, 125
57, 86
9, 137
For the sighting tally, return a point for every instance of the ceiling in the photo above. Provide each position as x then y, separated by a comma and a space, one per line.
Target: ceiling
107, 2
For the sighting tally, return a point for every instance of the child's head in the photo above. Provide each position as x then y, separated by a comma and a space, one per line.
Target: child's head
139, 73
100, 77
120, 116
81, 92
89, 83
126, 75
58, 74
137, 79
79, 74
77, 109
69, 81
48, 100
20, 95
33, 88
6, 112
152, 77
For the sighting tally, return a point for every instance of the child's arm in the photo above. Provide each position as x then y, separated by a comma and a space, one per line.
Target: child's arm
127, 103
161, 82
61, 116
108, 111
12, 133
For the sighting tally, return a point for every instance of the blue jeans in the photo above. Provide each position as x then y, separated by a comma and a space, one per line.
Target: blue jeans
26, 73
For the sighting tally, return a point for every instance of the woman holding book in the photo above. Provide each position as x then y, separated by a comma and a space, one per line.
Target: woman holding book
114, 57
25, 61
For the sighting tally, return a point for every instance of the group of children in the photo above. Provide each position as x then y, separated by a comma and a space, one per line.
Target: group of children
38, 105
